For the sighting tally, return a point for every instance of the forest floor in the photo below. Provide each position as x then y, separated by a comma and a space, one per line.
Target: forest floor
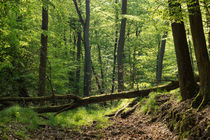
172, 119
133, 127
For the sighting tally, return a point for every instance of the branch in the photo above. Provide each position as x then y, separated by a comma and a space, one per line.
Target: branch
79, 12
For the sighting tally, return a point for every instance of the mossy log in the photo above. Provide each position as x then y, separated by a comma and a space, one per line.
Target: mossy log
38, 99
106, 97
78, 101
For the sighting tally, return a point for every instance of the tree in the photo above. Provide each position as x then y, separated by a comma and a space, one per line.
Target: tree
120, 49
87, 67
115, 46
201, 52
43, 50
186, 76
77, 80
161, 52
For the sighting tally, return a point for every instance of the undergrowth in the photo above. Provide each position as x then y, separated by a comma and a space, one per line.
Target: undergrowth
149, 104
19, 121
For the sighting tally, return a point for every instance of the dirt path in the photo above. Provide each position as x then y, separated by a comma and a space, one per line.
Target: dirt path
136, 126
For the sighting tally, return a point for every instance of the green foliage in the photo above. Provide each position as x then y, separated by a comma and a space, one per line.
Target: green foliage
149, 104
176, 95
24, 116
78, 117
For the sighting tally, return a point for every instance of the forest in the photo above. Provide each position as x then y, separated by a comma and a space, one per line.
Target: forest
104, 69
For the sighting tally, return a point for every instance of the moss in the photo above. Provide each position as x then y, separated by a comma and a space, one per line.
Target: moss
149, 106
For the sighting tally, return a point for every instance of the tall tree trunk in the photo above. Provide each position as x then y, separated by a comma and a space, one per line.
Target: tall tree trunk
77, 80
187, 83
43, 51
133, 78
120, 50
115, 48
201, 52
101, 69
160, 57
87, 67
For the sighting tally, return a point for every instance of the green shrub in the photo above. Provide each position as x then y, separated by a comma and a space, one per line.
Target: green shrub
21, 115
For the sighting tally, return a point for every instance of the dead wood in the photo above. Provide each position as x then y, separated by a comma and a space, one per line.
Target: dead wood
38, 99
105, 97
78, 101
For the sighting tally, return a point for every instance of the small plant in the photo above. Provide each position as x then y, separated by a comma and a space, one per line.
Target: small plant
20, 115
149, 103
22, 134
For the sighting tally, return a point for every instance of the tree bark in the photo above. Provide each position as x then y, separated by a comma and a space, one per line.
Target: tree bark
120, 50
187, 84
43, 51
160, 58
77, 80
115, 49
201, 52
87, 67
101, 69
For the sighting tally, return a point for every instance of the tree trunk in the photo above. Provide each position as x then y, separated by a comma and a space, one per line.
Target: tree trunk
201, 52
77, 80
188, 87
120, 50
43, 51
87, 67
101, 68
160, 57
115, 49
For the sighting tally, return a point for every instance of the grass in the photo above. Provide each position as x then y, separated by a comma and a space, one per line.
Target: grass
25, 119
19, 121
149, 104
22, 115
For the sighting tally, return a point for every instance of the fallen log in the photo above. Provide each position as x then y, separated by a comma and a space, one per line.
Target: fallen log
38, 99
78, 101
105, 97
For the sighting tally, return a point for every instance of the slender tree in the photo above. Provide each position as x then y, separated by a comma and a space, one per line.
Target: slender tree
201, 52
43, 50
160, 57
120, 49
115, 47
87, 68
77, 80
101, 69
186, 76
